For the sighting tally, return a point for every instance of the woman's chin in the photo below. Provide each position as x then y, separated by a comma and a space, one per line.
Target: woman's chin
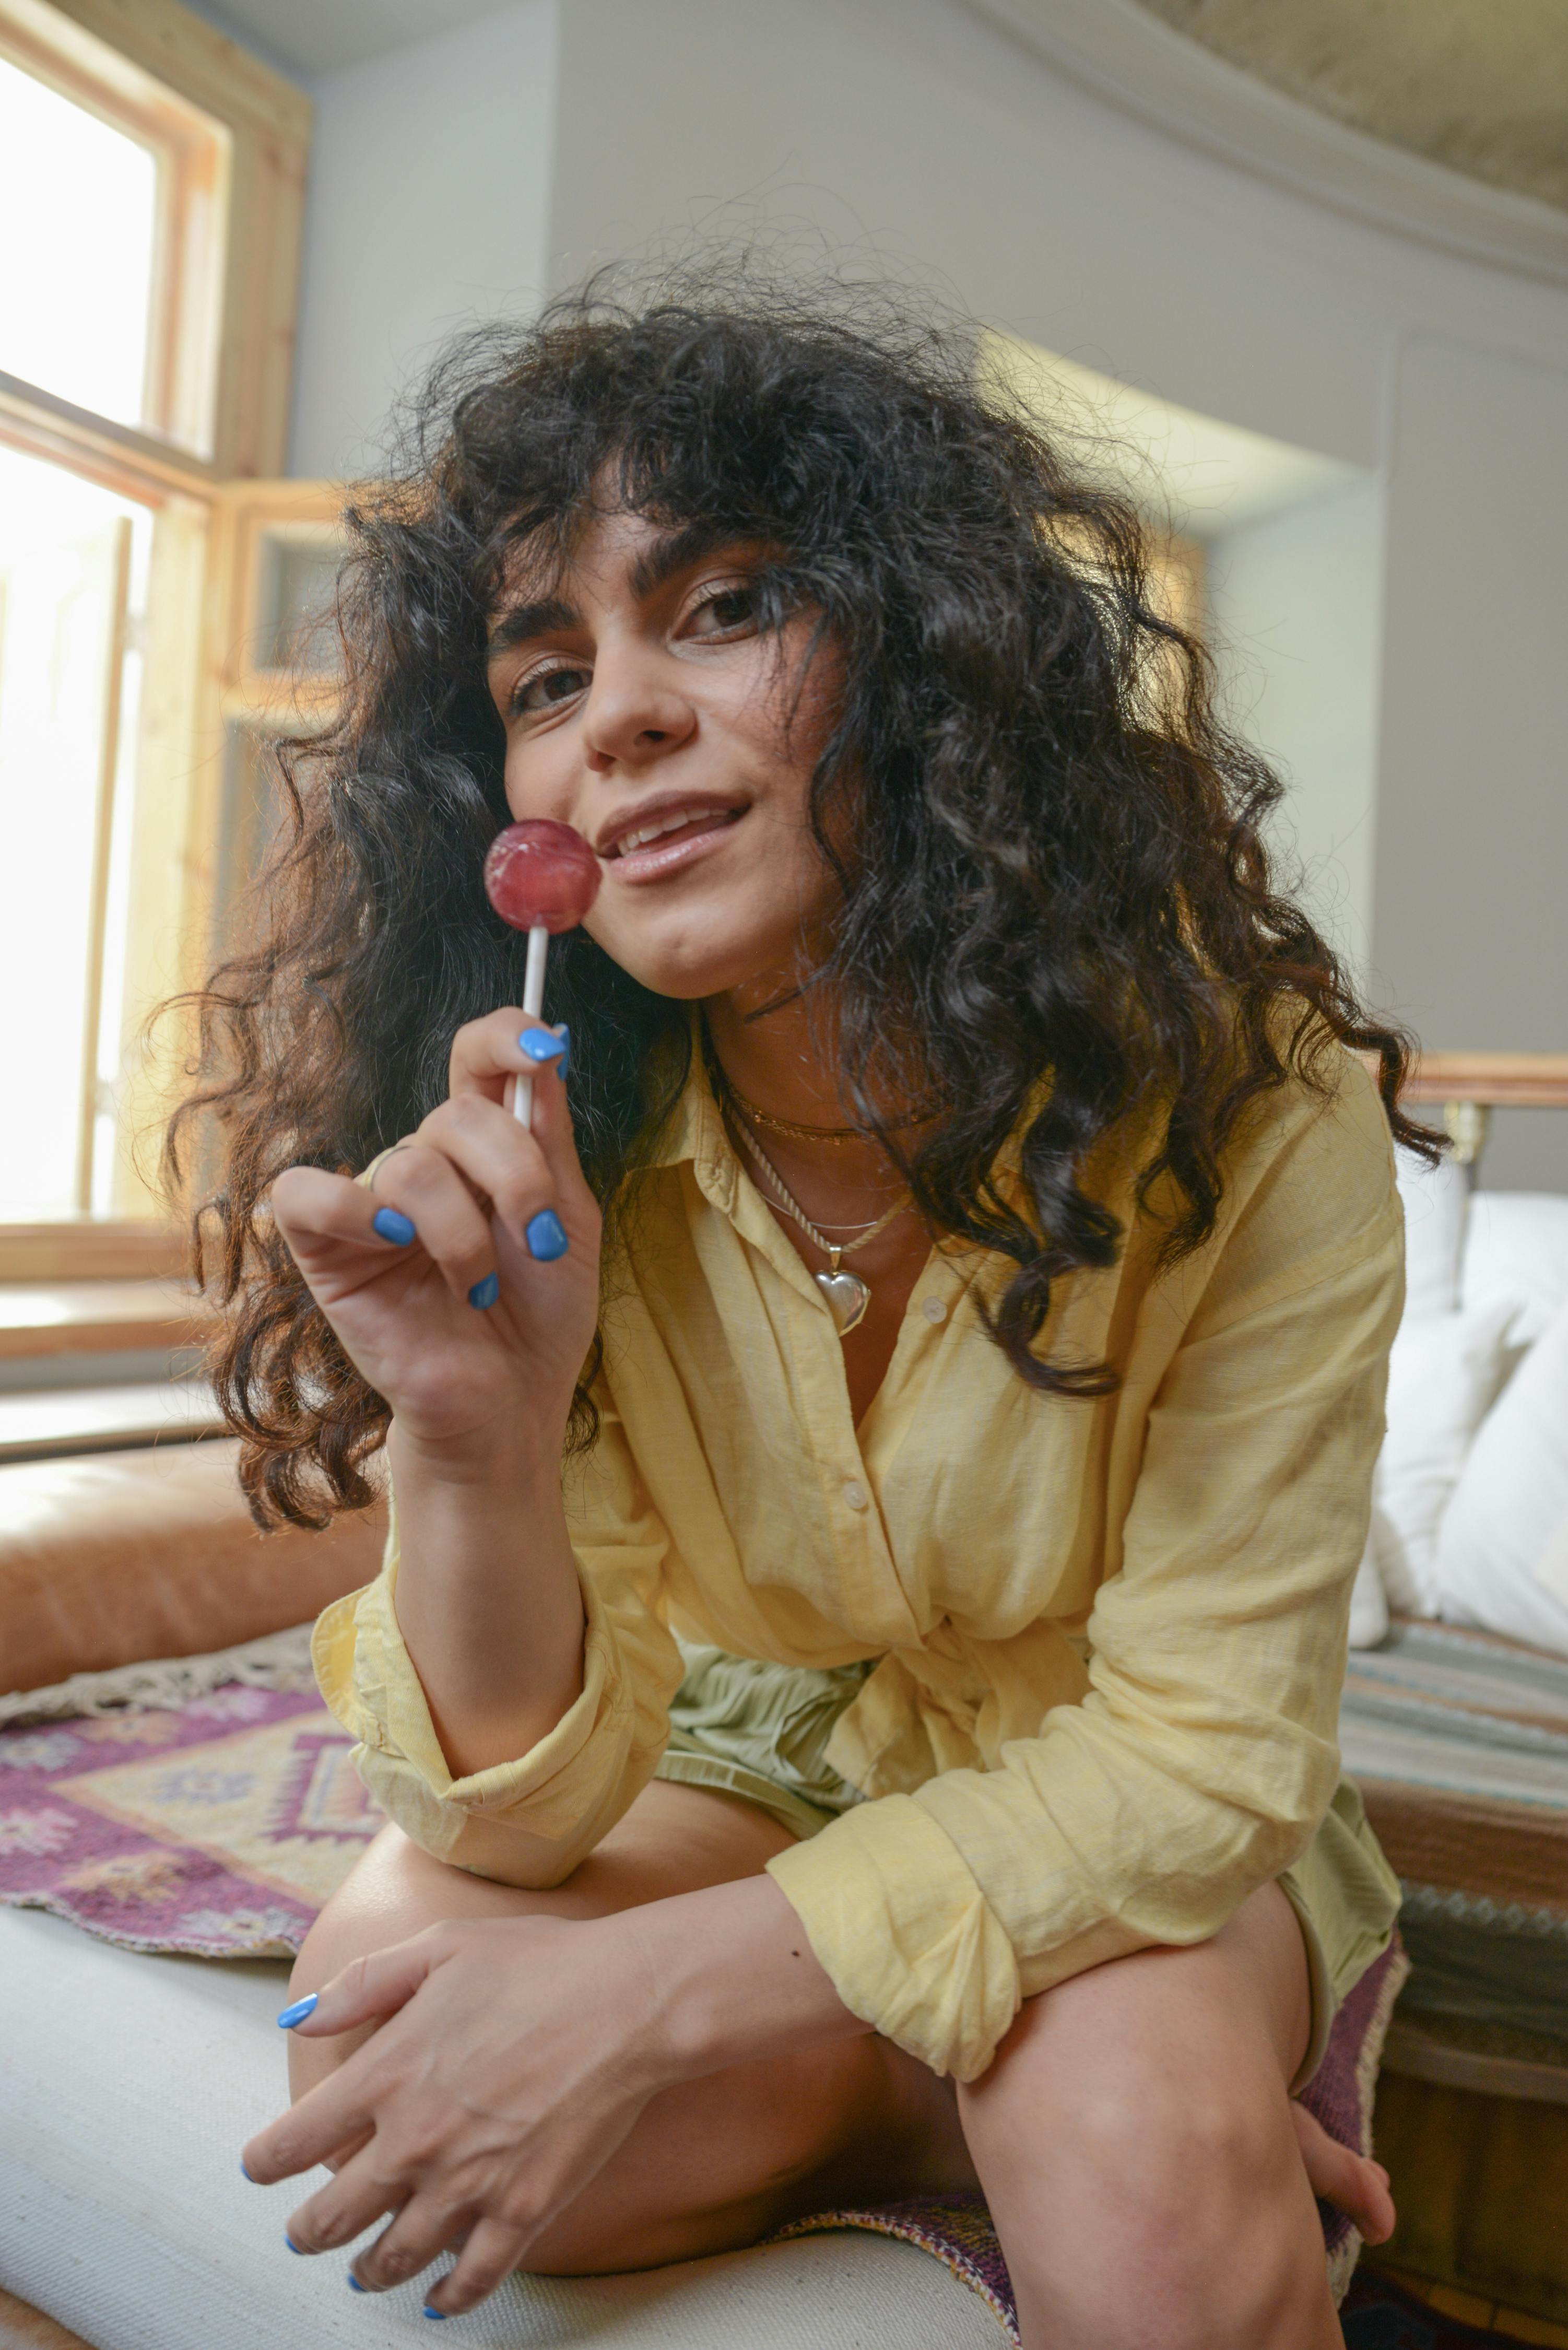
693, 970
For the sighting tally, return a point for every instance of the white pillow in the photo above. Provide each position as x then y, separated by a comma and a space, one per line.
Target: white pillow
1509, 1504
1435, 1201
1368, 1604
1516, 1244
1443, 1375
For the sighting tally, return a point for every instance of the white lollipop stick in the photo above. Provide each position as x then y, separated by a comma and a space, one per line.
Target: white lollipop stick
534, 1005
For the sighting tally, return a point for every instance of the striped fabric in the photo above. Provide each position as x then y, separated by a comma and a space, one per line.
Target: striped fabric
1460, 1742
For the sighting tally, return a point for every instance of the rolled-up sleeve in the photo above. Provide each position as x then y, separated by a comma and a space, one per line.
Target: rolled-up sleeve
529, 1821
1204, 1756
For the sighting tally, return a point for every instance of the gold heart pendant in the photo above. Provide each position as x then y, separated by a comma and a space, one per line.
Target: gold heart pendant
848, 1298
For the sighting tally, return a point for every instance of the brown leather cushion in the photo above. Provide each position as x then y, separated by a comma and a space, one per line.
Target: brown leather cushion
112, 1557
22, 2328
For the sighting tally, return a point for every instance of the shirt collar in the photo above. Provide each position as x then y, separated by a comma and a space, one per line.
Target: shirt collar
694, 1130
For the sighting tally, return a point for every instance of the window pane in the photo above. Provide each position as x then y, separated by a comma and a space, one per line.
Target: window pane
75, 281
72, 567
296, 597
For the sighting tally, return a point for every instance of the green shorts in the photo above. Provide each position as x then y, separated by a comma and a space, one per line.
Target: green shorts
760, 1731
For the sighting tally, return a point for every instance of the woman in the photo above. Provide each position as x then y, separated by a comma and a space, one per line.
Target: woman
957, 1276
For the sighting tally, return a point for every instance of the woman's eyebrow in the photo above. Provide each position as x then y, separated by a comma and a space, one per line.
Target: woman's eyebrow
658, 564
520, 622
651, 571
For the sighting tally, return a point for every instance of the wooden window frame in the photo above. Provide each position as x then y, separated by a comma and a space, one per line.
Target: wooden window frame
231, 222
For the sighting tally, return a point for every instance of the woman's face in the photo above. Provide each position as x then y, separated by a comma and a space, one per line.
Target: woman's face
642, 704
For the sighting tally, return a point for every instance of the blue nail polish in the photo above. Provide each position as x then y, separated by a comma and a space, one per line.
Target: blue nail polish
546, 1240
434, 2313
540, 1045
392, 1227
293, 2247
565, 1069
354, 2284
243, 2172
298, 2011
485, 1293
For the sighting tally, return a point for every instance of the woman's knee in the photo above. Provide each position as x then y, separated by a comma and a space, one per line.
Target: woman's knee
1135, 2138
1188, 2223
395, 1889
383, 1897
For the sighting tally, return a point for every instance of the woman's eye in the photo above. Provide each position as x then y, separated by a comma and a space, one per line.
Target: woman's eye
535, 695
720, 615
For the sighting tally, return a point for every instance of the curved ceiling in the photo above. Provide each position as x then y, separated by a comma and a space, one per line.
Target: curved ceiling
1351, 112
1480, 86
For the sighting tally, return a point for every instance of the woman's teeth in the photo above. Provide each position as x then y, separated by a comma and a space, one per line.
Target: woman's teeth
676, 822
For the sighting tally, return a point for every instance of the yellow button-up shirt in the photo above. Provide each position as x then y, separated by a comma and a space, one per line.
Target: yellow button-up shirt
1111, 1634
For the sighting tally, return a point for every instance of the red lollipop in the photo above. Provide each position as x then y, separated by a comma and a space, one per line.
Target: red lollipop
541, 877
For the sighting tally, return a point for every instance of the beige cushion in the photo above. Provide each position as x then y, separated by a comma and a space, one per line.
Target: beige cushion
109, 1559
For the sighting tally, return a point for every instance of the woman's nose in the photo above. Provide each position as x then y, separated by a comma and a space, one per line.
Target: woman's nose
632, 718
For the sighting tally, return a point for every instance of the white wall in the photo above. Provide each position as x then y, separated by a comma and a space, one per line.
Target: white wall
1296, 606
1472, 902
1474, 792
919, 129
428, 206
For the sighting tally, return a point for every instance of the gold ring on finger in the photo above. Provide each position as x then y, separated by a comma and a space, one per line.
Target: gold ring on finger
377, 1164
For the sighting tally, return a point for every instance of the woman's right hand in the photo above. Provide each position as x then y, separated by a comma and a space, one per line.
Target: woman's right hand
446, 1280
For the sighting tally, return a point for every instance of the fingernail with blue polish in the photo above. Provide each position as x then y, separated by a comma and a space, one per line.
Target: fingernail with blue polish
298, 2011
243, 2172
392, 1227
291, 2245
354, 2284
485, 1293
542, 1044
565, 1036
434, 2313
545, 1238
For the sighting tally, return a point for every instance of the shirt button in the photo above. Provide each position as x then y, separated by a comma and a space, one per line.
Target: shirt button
855, 1494
933, 1309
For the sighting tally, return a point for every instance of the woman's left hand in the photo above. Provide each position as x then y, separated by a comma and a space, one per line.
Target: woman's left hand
514, 2058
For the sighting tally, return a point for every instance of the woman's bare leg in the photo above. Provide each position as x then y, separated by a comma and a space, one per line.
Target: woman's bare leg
1143, 2162
713, 2164
1136, 2142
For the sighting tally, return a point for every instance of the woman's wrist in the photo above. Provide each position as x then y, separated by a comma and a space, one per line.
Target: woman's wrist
488, 1599
514, 1457
729, 1977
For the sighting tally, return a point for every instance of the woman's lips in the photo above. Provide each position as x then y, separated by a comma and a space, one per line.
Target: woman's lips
673, 851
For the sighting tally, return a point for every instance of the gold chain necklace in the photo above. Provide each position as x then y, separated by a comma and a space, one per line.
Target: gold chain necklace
846, 1293
790, 1128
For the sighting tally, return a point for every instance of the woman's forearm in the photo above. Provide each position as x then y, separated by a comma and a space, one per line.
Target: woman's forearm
488, 1599
731, 1977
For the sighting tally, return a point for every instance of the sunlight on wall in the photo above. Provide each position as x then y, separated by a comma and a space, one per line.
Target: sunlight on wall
80, 200
1187, 473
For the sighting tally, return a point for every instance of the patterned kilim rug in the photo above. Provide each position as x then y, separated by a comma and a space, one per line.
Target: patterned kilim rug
217, 1827
217, 1824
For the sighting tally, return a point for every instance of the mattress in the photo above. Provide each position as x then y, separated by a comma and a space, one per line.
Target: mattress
1459, 1743
129, 2084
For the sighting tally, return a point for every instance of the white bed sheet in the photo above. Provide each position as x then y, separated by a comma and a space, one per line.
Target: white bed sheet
127, 2087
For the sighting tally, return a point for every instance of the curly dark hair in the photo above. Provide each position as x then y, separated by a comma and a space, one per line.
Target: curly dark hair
1057, 868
